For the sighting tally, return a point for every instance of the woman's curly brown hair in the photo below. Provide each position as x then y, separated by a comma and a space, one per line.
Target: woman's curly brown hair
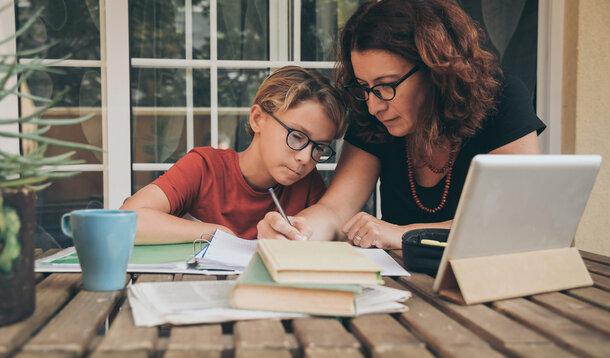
444, 41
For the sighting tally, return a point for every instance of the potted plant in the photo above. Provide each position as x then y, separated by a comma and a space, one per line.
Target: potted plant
24, 173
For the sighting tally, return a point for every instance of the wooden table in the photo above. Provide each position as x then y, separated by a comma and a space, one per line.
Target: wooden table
71, 322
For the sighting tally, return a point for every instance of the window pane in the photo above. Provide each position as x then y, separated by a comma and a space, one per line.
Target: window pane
232, 132
73, 24
237, 87
143, 178
82, 191
159, 116
243, 30
165, 87
83, 97
320, 24
156, 28
158, 138
201, 88
201, 29
201, 129
512, 34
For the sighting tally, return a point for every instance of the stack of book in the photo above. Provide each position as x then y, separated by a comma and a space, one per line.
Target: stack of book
321, 278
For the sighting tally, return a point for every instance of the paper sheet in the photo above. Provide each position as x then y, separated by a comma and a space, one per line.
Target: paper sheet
227, 251
388, 264
191, 302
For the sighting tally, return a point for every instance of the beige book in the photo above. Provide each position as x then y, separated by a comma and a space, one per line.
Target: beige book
254, 289
317, 262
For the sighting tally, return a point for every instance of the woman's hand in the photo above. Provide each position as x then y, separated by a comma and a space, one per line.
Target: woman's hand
274, 226
365, 230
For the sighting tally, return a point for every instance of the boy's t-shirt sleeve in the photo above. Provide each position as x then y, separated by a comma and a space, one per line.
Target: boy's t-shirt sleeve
183, 182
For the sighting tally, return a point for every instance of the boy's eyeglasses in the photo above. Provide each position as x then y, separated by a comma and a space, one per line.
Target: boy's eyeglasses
383, 91
297, 140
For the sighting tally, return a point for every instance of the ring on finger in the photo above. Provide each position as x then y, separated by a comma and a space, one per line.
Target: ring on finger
357, 238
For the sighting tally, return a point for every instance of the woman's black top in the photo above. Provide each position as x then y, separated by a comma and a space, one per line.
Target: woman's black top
514, 118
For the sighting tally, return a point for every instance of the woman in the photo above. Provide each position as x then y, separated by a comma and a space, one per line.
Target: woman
425, 99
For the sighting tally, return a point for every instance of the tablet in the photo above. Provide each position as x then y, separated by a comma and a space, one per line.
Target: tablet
519, 203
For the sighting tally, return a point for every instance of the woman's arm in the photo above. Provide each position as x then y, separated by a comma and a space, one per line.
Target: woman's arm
528, 144
157, 226
350, 188
365, 230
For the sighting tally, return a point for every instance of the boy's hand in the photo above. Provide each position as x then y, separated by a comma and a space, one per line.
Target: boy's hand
273, 226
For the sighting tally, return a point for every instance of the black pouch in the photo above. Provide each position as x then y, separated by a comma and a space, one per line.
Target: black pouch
420, 257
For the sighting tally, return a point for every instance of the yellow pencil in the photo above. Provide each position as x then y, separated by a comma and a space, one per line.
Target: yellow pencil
432, 243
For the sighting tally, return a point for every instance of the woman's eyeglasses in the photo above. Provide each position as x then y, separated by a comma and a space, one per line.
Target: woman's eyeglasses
297, 140
383, 91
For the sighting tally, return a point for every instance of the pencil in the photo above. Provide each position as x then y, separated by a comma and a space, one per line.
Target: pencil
279, 207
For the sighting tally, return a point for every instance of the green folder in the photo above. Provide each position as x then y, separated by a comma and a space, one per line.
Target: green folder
146, 254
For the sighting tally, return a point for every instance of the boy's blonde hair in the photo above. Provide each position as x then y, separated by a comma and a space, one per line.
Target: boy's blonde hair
289, 86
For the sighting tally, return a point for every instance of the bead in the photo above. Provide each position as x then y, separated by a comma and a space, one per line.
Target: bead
448, 167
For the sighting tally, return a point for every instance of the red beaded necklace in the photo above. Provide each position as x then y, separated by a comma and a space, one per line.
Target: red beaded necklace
446, 168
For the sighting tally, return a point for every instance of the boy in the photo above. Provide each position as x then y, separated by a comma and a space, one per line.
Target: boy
295, 116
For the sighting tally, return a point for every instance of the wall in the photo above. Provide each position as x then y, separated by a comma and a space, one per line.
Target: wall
586, 109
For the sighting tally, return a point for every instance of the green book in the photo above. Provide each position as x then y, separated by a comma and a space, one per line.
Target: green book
254, 289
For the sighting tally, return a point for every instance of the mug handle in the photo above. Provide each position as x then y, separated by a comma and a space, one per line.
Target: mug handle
65, 224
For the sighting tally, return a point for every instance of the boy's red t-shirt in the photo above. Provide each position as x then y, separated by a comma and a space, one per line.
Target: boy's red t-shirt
208, 184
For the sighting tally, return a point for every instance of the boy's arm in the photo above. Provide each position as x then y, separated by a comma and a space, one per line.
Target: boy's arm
157, 226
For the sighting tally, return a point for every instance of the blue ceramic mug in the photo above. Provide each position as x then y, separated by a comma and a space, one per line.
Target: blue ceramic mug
103, 240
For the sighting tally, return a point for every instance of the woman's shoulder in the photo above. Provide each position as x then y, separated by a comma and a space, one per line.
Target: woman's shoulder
513, 88
514, 116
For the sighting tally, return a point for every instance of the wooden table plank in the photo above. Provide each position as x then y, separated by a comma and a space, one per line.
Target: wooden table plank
267, 334
48, 355
263, 353
595, 257
332, 353
51, 295
576, 310
442, 334
592, 295
600, 281
315, 333
195, 341
385, 337
579, 339
500, 331
596, 267
75, 325
125, 339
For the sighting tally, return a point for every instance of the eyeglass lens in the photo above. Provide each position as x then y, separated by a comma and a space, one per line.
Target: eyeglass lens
297, 141
384, 92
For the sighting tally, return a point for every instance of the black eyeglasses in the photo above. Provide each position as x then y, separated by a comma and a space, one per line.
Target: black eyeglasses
383, 91
297, 140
